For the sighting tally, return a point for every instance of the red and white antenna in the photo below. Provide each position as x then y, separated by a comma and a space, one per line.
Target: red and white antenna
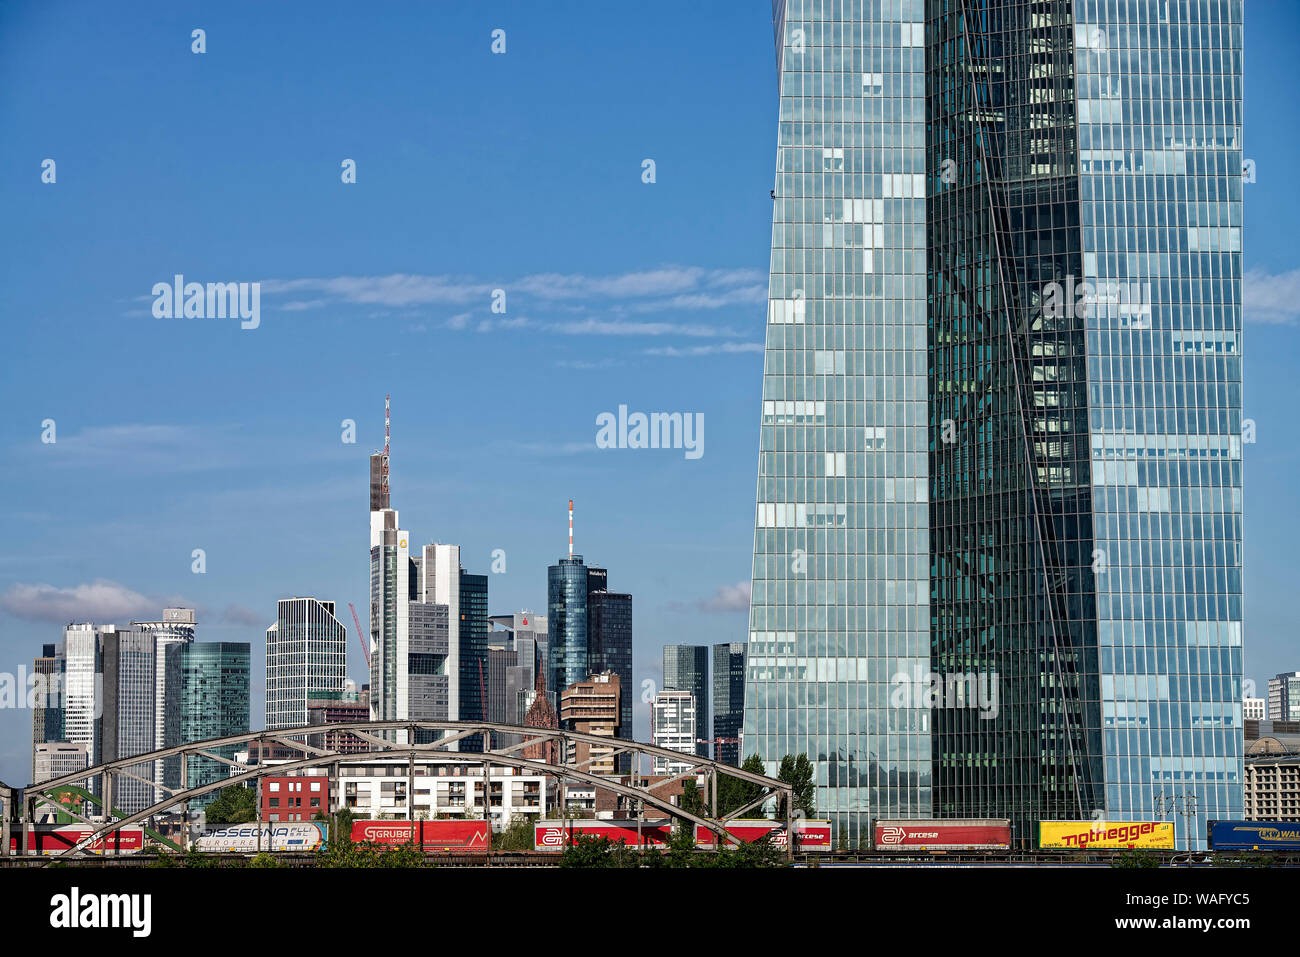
570, 528
386, 437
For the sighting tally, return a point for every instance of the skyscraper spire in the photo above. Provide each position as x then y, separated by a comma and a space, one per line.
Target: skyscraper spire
386, 438
570, 528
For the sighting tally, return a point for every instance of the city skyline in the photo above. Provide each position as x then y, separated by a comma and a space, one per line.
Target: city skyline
237, 462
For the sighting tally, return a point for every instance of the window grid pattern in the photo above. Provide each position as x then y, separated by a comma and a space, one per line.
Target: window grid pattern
839, 586
1160, 138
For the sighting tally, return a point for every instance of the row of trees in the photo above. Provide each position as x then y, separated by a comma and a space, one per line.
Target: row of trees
590, 851
735, 793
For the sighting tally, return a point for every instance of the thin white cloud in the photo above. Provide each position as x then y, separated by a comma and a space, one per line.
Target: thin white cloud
727, 598
1273, 297
239, 615
668, 287
611, 327
101, 601
709, 350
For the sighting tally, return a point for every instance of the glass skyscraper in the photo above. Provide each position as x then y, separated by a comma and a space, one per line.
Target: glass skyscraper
306, 660
840, 592
686, 668
566, 612
1058, 295
728, 700
214, 702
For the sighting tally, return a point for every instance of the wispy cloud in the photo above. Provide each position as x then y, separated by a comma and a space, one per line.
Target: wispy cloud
668, 287
709, 350
137, 444
1273, 297
608, 327
99, 601
727, 598
239, 615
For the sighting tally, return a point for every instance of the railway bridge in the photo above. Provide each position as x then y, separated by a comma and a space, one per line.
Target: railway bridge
552, 753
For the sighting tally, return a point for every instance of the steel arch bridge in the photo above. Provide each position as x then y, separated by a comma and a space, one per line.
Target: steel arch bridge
394, 739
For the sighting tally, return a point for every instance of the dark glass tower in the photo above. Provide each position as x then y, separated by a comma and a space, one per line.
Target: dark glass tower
686, 668
566, 614
1012, 588
1024, 219
609, 648
214, 702
473, 631
728, 700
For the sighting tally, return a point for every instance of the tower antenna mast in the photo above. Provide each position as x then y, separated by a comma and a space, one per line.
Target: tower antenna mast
386, 437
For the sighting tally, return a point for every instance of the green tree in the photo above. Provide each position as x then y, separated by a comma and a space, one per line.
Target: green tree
517, 836
264, 860
1135, 857
692, 801
587, 850
734, 793
235, 805
798, 773
681, 846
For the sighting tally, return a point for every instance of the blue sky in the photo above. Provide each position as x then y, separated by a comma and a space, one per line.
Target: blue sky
475, 171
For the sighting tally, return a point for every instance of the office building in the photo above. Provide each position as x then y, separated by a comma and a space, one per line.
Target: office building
301, 797
1254, 709
672, 726
1272, 787
176, 627
306, 659
83, 665
566, 616
54, 759
589, 630
354, 706
500, 660
686, 668
472, 635
418, 627
1001, 422
214, 697
609, 646
47, 708
428, 684
728, 700
1284, 697
127, 724
593, 707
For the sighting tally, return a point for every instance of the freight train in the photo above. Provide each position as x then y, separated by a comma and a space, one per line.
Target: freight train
809, 835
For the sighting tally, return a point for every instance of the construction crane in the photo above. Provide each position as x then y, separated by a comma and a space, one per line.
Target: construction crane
365, 647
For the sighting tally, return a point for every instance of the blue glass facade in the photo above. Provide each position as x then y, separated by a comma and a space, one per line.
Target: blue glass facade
214, 703
1160, 178
566, 614
840, 588
1001, 434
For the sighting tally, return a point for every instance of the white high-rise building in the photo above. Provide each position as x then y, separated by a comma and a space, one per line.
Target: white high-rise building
306, 659
672, 726
83, 688
1255, 709
176, 628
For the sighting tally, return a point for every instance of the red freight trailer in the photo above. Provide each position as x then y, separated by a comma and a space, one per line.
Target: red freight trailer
983, 834
812, 835
54, 840
809, 835
549, 835
431, 835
